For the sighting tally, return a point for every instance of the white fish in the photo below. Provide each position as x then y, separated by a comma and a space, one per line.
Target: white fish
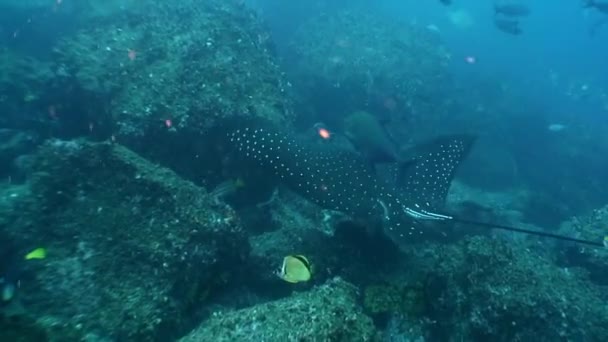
556, 127
433, 28
461, 19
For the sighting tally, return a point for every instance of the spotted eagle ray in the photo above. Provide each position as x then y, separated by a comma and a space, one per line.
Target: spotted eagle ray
342, 180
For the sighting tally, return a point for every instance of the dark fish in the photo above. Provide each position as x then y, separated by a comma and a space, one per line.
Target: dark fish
597, 26
601, 6
8, 286
342, 180
508, 26
511, 9
426, 178
446, 2
369, 137
11, 272
334, 179
412, 195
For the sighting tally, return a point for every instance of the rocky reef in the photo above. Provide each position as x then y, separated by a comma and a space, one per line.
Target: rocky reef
155, 76
138, 251
188, 62
504, 290
23, 85
592, 226
325, 313
132, 249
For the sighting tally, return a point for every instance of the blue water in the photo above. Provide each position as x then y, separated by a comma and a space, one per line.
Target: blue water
554, 73
538, 103
555, 52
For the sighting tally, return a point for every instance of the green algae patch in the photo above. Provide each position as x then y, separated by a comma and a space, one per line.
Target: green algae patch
133, 250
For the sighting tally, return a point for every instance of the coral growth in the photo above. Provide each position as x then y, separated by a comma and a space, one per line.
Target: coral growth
189, 62
491, 288
325, 313
131, 247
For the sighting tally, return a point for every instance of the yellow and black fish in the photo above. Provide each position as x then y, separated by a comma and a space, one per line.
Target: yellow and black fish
295, 269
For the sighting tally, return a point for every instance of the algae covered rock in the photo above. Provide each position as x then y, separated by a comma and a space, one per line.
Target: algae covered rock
391, 298
325, 313
594, 227
24, 82
329, 240
13, 151
132, 249
178, 65
495, 289
297, 227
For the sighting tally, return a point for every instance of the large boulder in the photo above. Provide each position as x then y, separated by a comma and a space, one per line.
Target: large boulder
159, 76
24, 82
16, 144
326, 313
189, 62
491, 288
594, 227
133, 250
329, 240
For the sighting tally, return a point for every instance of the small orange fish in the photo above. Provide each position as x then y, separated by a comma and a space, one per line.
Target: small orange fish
322, 131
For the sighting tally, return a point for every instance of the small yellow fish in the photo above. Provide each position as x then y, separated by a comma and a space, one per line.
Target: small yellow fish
295, 269
38, 253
